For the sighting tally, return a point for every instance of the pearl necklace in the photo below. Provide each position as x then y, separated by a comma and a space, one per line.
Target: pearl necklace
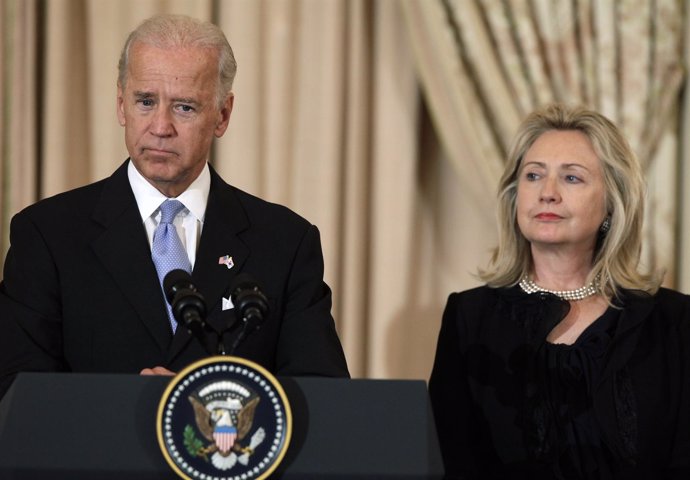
528, 286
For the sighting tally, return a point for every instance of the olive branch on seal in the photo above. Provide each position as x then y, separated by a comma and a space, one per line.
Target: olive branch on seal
194, 446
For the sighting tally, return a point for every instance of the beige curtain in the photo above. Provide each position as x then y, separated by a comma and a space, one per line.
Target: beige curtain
485, 64
325, 121
684, 180
19, 100
329, 119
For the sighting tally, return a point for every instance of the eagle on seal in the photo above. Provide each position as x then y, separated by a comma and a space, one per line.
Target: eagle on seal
217, 426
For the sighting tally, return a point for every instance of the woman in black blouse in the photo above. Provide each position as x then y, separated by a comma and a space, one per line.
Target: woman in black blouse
569, 363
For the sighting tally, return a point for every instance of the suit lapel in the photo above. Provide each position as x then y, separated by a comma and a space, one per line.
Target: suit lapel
124, 251
225, 218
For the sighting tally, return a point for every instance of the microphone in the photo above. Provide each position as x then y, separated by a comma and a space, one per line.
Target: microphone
251, 305
248, 299
187, 304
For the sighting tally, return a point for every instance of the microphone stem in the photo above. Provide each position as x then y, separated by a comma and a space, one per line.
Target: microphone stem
196, 327
239, 338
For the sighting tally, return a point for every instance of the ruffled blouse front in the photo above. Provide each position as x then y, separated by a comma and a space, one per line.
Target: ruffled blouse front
568, 374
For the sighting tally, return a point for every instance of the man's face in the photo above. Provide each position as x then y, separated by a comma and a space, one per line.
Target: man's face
170, 113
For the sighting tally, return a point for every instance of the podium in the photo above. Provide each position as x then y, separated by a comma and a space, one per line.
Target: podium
85, 426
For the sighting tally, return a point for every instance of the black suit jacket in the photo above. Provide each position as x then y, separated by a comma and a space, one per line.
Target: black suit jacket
482, 390
80, 291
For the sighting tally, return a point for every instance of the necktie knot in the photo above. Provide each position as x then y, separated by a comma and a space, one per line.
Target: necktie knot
169, 210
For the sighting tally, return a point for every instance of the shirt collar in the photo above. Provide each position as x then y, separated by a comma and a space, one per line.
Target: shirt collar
149, 198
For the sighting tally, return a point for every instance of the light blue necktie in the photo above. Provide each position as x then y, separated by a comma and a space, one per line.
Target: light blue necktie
167, 250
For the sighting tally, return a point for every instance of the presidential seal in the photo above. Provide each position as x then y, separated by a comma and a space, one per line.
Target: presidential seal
224, 418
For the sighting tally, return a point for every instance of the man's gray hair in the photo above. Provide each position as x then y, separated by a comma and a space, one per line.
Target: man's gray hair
166, 31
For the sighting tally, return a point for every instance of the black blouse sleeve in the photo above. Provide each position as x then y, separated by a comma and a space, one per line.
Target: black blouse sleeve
451, 399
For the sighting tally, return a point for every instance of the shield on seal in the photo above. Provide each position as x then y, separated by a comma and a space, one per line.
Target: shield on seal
224, 436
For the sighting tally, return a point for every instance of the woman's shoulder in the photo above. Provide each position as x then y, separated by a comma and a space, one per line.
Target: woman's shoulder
665, 308
663, 298
475, 294
478, 301
673, 304
669, 295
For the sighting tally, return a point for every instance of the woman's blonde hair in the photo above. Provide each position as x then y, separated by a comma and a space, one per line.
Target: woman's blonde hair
617, 252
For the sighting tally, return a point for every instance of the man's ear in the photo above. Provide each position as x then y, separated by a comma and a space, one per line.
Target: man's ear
224, 115
120, 108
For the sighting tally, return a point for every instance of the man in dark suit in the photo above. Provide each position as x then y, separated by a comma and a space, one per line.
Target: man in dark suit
80, 289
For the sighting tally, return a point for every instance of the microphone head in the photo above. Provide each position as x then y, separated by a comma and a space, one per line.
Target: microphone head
246, 294
176, 280
243, 282
183, 297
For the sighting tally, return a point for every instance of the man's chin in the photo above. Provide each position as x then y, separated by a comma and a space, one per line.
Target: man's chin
170, 182
156, 169
168, 187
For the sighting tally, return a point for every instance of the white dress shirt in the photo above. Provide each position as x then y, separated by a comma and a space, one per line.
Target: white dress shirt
188, 223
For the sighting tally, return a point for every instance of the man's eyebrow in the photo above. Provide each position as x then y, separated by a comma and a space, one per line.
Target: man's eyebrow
186, 100
142, 94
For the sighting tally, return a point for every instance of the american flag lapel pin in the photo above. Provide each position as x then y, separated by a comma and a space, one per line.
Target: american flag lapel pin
227, 261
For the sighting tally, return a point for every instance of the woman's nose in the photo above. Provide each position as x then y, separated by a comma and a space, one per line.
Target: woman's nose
549, 191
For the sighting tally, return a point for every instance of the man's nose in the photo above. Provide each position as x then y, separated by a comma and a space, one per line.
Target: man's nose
162, 123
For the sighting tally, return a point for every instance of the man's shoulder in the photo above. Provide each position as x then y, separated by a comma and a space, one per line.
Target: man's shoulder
260, 211
78, 199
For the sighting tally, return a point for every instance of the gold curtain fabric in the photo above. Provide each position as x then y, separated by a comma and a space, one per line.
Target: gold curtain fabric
485, 64
19, 93
329, 120
325, 122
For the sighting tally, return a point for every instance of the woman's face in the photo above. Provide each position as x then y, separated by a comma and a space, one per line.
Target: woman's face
561, 196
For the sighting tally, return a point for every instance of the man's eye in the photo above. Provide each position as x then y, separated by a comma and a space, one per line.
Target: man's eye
186, 108
146, 102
